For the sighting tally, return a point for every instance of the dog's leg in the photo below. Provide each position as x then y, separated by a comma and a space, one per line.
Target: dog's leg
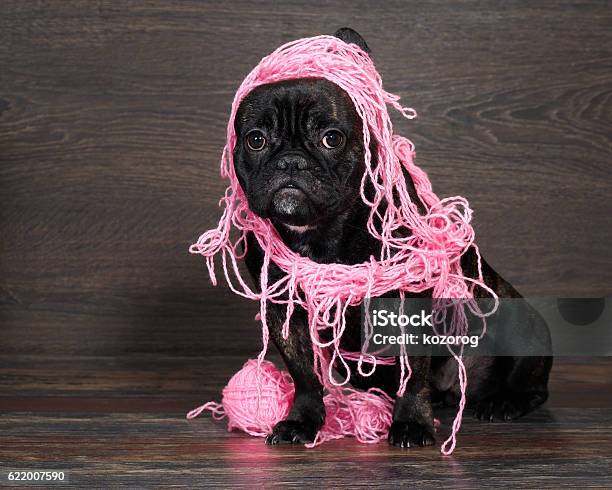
308, 412
412, 415
524, 389
522, 380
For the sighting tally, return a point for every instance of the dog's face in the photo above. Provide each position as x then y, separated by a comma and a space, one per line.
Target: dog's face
299, 151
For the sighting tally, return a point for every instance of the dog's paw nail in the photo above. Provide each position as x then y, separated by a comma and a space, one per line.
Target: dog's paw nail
506, 406
293, 432
427, 440
410, 434
272, 439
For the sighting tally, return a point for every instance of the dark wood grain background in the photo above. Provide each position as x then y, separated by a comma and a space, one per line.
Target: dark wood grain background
112, 120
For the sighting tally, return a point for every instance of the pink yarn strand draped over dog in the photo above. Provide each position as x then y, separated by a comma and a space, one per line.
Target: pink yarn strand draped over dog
425, 258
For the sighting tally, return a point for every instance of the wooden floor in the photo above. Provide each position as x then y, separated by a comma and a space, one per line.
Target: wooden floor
111, 421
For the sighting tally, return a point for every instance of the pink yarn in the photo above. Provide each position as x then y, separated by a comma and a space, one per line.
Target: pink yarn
259, 396
255, 409
428, 258
255, 399
366, 416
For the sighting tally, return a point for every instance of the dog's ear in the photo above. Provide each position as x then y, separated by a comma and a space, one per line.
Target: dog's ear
349, 35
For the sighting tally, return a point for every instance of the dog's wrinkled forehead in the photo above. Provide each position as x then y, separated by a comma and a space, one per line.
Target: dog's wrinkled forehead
290, 105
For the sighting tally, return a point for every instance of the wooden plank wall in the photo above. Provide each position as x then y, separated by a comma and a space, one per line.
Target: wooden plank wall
112, 120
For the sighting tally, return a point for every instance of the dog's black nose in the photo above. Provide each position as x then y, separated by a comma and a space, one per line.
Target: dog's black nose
292, 163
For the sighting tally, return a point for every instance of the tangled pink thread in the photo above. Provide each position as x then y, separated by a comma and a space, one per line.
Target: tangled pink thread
257, 397
419, 252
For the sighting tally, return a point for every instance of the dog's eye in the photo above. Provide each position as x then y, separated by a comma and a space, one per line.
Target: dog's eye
255, 140
332, 139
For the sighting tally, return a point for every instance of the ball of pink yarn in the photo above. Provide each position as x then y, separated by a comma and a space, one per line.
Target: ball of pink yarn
255, 402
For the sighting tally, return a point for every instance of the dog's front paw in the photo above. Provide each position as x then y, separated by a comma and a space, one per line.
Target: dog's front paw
410, 434
508, 406
293, 432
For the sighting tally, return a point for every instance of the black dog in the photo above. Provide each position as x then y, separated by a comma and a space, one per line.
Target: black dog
299, 159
